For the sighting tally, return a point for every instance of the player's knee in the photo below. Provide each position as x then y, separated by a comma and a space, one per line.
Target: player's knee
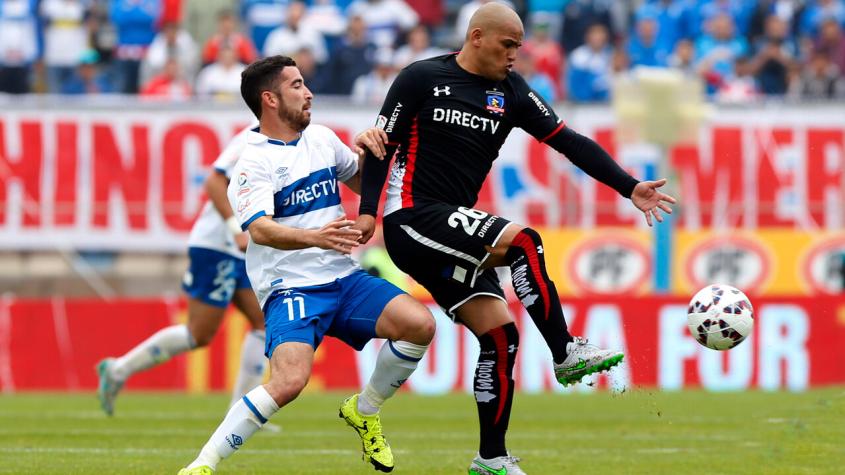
284, 388
526, 241
532, 235
420, 326
201, 337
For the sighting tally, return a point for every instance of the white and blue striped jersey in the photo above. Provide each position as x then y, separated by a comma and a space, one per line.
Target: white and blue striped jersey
297, 184
209, 230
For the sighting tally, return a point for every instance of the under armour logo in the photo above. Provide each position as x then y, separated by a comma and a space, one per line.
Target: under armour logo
540, 249
443, 90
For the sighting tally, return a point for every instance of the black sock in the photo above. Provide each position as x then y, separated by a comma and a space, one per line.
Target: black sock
536, 291
493, 385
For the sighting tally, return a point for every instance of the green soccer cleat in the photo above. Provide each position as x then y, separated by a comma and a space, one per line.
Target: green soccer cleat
108, 386
583, 359
375, 447
504, 465
203, 470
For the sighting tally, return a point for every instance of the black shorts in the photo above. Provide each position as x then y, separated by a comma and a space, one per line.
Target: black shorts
443, 247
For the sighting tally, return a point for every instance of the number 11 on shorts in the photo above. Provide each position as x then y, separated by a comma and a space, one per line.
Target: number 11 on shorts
289, 302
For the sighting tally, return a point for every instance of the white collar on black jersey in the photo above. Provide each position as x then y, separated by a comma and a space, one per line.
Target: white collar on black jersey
256, 138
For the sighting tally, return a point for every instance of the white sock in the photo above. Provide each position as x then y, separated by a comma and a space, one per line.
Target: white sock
253, 363
395, 363
160, 347
244, 418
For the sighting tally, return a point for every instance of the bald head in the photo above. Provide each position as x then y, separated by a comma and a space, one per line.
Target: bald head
494, 35
494, 17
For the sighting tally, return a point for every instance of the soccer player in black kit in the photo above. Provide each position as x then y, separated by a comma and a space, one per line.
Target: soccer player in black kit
448, 117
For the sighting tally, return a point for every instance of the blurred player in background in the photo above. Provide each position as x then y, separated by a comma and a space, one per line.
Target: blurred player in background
215, 277
286, 195
449, 116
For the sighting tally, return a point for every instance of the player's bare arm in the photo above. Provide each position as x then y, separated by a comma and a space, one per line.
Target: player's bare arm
335, 235
215, 187
354, 182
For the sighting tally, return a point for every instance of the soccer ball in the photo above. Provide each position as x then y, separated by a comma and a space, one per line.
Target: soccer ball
720, 317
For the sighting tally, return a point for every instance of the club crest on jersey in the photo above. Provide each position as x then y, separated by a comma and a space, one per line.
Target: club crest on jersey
495, 104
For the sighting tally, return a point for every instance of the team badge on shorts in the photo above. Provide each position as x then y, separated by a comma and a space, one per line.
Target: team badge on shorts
495, 102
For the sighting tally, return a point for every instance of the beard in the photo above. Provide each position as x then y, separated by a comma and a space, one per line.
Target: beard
298, 119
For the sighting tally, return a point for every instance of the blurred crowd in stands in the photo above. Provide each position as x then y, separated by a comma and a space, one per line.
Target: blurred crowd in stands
176, 50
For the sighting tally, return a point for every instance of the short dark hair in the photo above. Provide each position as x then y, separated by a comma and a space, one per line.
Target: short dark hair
260, 76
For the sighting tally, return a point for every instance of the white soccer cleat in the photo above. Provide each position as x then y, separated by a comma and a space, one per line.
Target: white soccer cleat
504, 465
108, 386
582, 359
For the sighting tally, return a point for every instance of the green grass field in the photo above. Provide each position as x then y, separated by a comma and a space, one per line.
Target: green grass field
636, 432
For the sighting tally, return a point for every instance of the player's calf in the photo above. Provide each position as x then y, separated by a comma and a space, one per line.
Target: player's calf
536, 291
493, 385
291, 368
242, 421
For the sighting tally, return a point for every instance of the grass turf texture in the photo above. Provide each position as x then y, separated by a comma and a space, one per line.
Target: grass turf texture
635, 432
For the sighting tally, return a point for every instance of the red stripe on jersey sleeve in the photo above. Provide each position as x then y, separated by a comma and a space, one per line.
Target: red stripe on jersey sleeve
558, 129
410, 164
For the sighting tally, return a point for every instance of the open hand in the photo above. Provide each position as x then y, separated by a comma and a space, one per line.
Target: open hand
650, 201
337, 235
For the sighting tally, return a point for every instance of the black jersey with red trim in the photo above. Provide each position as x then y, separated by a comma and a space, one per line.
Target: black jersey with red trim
449, 125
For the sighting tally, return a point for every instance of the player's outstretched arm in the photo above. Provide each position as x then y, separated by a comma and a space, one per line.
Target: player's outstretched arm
589, 156
335, 235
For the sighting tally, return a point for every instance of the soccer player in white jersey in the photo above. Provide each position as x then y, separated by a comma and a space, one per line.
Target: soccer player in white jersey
285, 193
215, 277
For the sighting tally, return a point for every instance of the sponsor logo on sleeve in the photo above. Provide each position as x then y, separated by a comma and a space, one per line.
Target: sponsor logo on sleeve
393, 117
539, 104
381, 121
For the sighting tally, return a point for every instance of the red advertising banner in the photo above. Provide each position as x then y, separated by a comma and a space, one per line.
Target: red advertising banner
132, 178
797, 343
